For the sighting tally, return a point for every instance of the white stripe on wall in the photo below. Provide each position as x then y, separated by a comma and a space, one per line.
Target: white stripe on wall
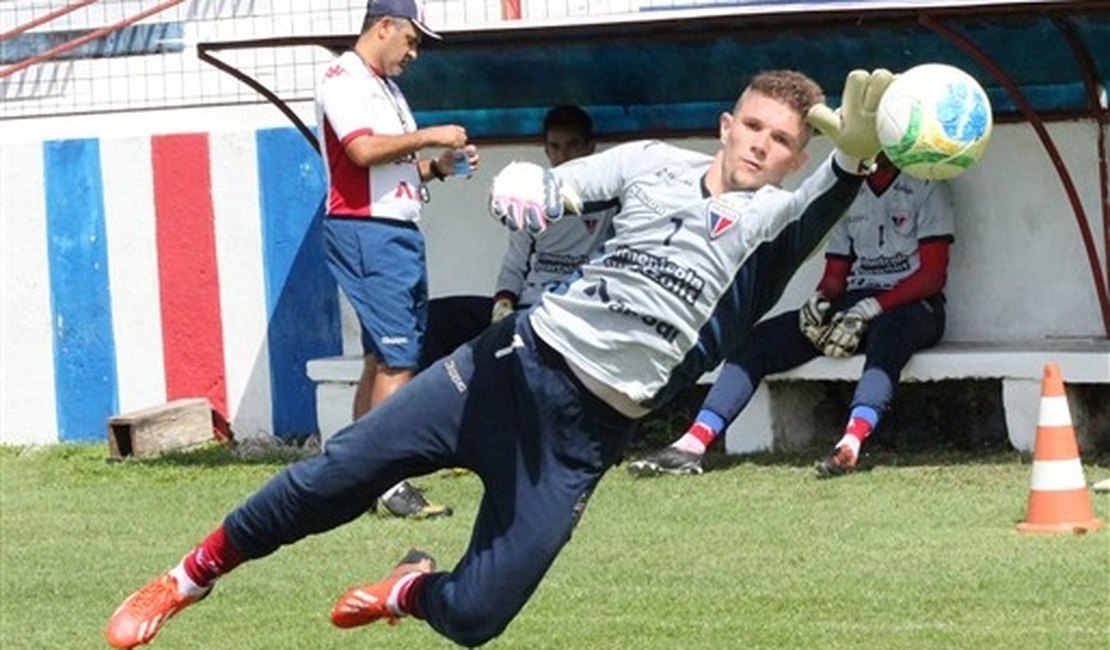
235, 201
28, 408
133, 271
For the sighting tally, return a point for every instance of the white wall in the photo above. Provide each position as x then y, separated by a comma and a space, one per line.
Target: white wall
1019, 269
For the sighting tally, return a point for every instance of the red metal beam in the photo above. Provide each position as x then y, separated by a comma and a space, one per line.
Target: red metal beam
1090, 74
81, 40
35, 22
1050, 148
510, 9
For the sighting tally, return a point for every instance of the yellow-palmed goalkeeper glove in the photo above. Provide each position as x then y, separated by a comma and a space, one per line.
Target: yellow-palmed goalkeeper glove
812, 317
502, 307
846, 329
852, 126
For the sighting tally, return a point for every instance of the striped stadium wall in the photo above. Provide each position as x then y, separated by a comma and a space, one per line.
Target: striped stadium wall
160, 267
86, 241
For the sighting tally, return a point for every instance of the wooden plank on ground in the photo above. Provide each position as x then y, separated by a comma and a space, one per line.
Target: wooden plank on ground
173, 426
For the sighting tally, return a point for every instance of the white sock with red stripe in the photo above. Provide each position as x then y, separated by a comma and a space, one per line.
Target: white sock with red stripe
397, 595
185, 584
860, 425
851, 442
697, 439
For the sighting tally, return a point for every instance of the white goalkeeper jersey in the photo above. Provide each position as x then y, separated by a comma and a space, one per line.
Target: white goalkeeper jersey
534, 264
882, 234
685, 276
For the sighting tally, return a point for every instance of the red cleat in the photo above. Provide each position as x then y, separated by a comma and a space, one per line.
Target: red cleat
365, 604
142, 615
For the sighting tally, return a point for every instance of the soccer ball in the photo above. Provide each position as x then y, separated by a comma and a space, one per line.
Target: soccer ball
934, 121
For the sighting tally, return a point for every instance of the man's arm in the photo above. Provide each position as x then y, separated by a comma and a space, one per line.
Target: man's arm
601, 176
835, 278
356, 117
372, 149
528, 197
514, 267
927, 280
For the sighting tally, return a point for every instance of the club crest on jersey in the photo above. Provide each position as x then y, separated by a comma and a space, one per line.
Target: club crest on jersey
720, 217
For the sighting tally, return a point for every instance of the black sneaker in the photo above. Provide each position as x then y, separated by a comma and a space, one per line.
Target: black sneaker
668, 460
841, 462
408, 501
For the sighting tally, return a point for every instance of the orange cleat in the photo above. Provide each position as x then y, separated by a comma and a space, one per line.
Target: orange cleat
368, 603
139, 618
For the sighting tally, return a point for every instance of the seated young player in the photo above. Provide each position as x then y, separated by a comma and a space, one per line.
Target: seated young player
881, 294
533, 263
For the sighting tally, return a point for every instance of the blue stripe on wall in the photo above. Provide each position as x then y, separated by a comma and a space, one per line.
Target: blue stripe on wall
301, 296
85, 380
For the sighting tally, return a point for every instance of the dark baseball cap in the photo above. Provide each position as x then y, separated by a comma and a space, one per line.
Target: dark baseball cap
408, 9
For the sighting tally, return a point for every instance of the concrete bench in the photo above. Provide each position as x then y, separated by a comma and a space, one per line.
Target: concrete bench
770, 423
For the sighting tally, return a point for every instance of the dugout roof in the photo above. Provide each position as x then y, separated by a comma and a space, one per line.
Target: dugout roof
673, 72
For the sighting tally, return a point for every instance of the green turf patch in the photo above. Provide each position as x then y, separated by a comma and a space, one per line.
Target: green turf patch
918, 552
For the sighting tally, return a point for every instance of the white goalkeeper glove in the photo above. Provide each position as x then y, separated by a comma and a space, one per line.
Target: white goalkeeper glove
852, 126
502, 307
528, 197
847, 327
811, 318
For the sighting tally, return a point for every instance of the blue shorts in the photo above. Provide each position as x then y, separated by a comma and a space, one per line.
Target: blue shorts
379, 264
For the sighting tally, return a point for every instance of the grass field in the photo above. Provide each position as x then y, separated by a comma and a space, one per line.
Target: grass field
918, 553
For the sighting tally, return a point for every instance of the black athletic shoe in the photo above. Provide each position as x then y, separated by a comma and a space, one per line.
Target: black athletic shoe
668, 460
841, 462
409, 502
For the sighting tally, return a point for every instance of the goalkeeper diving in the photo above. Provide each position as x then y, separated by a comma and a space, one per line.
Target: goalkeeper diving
544, 402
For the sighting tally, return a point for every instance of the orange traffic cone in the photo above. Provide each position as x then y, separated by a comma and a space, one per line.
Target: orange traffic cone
1058, 498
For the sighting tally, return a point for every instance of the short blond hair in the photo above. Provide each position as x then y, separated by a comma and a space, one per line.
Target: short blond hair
796, 90
790, 87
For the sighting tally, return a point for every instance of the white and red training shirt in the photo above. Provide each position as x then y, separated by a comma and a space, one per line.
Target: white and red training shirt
352, 100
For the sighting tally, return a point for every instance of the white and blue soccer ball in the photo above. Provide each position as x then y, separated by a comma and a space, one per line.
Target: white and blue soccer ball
934, 121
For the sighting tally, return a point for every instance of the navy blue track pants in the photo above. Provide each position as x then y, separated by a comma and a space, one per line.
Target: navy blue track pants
504, 406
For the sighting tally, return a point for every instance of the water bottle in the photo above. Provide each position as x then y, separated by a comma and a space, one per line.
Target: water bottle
461, 163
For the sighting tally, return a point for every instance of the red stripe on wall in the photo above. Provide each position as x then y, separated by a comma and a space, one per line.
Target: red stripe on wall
192, 332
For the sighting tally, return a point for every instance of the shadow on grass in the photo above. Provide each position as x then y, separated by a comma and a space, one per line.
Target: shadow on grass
917, 432
892, 457
272, 451
947, 423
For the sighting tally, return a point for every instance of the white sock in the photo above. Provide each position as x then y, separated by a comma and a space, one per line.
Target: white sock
689, 442
851, 442
393, 600
185, 584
